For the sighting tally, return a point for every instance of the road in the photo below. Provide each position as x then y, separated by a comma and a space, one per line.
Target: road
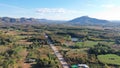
57, 53
59, 56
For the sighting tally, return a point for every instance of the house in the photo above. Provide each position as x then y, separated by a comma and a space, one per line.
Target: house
30, 60
83, 66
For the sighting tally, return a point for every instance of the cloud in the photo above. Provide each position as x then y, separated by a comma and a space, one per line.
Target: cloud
51, 10
55, 10
58, 13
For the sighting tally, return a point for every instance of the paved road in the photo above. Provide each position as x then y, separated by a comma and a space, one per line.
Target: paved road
57, 53
59, 56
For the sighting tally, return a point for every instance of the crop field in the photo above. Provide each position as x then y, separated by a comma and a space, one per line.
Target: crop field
109, 59
92, 43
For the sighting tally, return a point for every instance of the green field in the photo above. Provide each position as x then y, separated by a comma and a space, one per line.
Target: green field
86, 43
109, 59
92, 43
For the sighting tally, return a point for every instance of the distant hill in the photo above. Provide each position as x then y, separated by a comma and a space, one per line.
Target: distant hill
17, 20
85, 20
116, 21
51, 21
28, 20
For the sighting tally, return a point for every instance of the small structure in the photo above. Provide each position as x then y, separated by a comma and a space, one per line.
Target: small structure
46, 36
30, 60
83, 66
74, 66
74, 39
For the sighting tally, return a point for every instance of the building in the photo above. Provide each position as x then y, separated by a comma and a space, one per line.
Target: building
30, 60
83, 66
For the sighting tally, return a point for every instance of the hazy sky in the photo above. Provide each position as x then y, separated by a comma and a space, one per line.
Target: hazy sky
61, 9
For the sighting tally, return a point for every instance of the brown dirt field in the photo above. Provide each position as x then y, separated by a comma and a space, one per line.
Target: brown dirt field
23, 42
26, 65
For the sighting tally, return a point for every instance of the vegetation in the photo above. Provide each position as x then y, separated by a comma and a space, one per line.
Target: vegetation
25, 45
100, 49
109, 59
19, 46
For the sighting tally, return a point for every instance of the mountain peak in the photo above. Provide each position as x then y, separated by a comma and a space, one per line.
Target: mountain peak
84, 17
88, 20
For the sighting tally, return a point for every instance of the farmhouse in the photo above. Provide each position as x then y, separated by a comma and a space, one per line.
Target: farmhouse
83, 66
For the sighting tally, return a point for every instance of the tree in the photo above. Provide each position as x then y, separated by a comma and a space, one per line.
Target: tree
100, 49
117, 41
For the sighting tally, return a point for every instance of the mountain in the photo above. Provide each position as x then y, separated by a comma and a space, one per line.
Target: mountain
51, 21
29, 20
115, 21
17, 20
85, 20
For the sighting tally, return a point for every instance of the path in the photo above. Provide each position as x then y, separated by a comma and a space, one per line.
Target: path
57, 53
59, 56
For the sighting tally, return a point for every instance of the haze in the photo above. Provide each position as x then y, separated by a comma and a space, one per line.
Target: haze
61, 9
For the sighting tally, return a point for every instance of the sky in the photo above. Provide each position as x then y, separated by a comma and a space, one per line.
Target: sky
60, 9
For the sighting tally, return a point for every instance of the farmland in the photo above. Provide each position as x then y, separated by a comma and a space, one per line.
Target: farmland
109, 59
28, 47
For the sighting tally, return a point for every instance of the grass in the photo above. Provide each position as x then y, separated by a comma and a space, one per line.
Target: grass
3, 49
87, 43
92, 43
109, 59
